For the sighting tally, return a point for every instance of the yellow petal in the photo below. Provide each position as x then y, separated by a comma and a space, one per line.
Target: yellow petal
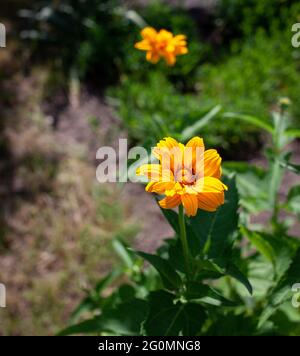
210, 201
176, 189
159, 187
168, 142
170, 202
212, 164
164, 35
143, 45
164, 151
170, 58
209, 185
152, 171
152, 56
190, 203
149, 33
196, 144
179, 38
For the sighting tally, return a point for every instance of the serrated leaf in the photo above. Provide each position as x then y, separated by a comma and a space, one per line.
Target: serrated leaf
261, 244
169, 276
283, 290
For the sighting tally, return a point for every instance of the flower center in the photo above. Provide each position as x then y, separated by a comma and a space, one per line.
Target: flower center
185, 176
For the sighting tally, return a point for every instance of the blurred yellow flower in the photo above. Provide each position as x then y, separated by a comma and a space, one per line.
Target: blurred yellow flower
161, 44
187, 174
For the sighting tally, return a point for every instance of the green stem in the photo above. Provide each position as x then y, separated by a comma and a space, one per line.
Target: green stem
183, 239
276, 169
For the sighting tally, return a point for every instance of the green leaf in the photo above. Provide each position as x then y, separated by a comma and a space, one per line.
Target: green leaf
275, 249
232, 271
283, 291
294, 192
86, 327
295, 168
294, 133
261, 275
123, 252
261, 244
293, 200
91, 302
251, 120
194, 129
253, 189
199, 292
213, 230
169, 276
172, 217
221, 267
167, 318
232, 324
124, 319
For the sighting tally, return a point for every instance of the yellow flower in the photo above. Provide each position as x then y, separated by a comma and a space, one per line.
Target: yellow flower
161, 44
187, 174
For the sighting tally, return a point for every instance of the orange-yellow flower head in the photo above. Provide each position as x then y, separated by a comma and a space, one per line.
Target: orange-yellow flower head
161, 44
186, 174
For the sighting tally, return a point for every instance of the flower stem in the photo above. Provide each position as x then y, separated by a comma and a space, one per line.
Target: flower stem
183, 239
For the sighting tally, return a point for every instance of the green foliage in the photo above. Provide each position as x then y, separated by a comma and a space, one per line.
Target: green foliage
254, 15
170, 278
167, 318
239, 277
258, 72
149, 115
87, 36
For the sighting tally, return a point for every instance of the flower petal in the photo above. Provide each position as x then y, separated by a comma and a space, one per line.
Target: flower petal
190, 203
152, 171
149, 33
210, 201
143, 45
212, 164
159, 187
170, 202
195, 142
209, 185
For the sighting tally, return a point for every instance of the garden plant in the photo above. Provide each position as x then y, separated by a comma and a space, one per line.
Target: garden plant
219, 274
203, 239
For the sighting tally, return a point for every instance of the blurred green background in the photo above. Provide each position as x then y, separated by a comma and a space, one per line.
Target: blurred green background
72, 81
